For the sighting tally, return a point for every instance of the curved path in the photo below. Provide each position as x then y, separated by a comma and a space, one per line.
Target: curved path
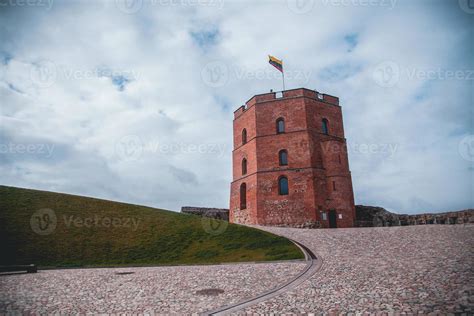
147, 290
313, 265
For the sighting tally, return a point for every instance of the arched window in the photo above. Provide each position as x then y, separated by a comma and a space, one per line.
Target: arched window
280, 125
283, 157
325, 127
243, 196
244, 166
244, 136
283, 186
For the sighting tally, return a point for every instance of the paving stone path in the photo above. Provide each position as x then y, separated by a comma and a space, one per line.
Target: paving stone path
164, 290
425, 269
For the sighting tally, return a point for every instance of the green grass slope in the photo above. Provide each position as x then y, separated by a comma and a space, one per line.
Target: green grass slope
61, 230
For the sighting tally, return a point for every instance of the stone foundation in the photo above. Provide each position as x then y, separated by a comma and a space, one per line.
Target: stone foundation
217, 213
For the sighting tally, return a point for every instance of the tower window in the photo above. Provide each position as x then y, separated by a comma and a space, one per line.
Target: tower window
280, 125
325, 126
243, 196
283, 157
334, 185
244, 166
244, 136
283, 186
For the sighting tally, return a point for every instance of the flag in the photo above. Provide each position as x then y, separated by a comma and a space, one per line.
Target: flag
275, 62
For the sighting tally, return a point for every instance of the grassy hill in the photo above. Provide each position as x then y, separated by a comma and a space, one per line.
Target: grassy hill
61, 230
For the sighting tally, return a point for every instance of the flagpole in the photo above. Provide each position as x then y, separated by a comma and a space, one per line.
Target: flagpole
283, 75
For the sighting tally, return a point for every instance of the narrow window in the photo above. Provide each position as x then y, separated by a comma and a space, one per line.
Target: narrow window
334, 185
325, 127
280, 125
283, 157
325, 216
244, 136
244, 166
243, 196
283, 186
339, 158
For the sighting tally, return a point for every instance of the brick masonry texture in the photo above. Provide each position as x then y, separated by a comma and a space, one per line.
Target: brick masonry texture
317, 171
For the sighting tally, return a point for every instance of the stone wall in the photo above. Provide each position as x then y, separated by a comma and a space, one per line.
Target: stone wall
218, 213
372, 216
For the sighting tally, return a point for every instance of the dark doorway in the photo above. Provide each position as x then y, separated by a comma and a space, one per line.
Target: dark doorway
332, 219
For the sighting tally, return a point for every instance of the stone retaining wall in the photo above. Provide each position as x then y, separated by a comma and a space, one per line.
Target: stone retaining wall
371, 216
218, 213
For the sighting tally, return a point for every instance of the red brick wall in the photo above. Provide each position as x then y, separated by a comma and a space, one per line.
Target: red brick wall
315, 161
249, 214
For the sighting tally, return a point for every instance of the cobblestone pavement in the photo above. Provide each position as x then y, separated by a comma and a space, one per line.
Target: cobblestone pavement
152, 289
425, 269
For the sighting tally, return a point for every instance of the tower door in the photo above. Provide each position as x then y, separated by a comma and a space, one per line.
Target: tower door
332, 219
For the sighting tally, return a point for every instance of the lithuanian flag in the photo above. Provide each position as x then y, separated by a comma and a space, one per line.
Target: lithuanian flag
275, 62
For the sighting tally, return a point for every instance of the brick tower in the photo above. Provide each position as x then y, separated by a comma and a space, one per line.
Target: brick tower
290, 164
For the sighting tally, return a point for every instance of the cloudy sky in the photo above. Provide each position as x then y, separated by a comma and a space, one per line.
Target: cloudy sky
133, 100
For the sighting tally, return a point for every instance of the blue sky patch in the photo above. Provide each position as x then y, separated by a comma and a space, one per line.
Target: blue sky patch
352, 40
339, 71
5, 58
205, 39
118, 80
13, 88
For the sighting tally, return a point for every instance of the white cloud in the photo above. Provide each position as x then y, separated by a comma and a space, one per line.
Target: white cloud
183, 126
